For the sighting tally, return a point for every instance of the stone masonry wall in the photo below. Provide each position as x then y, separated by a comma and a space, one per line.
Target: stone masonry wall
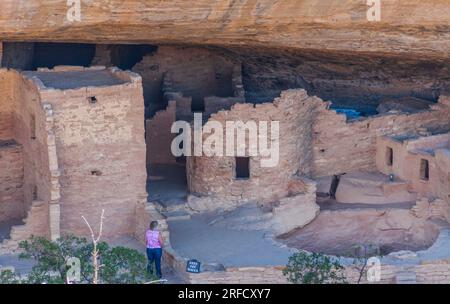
101, 153
295, 111
426, 272
341, 146
214, 104
314, 141
159, 137
11, 181
407, 157
31, 131
197, 72
6, 105
39, 185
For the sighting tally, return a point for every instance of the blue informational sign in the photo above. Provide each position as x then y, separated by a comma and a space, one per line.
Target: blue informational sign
193, 266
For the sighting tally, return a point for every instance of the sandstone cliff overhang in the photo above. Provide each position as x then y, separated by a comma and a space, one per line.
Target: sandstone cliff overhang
406, 26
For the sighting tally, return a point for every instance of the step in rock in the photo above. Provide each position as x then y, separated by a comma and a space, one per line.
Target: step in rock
370, 191
176, 215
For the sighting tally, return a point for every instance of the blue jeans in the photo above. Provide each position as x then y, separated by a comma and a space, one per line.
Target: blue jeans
154, 256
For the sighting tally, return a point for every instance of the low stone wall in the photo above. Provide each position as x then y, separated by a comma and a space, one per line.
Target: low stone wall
435, 272
432, 272
241, 275
159, 137
427, 272
36, 223
183, 105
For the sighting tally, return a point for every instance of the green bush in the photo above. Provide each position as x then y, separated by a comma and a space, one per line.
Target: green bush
8, 277
119, 265
314, 268
124, 266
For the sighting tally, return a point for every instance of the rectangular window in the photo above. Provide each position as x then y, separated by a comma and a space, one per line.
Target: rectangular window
34, 194
389, 156
448, 183
424, 169
32, 127
242, 167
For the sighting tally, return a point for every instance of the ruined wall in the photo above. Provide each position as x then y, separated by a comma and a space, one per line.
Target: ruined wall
35, 170
442, 187
11, 154
6, 106
30, 130
215, 176
433, 271
214, 104
407, 157
183, 105
196, 72
314, 141
429, 272
101, 152
341, 146
159, 137
27, 127
102, 55
11, 181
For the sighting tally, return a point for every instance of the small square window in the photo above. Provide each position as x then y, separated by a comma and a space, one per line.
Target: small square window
242, 167
389, 156
92, 99
424, 169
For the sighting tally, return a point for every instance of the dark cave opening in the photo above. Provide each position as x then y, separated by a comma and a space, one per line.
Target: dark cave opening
49, 55
30, 56
356, 84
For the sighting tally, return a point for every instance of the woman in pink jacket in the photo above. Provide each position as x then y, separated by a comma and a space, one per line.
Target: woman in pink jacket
155, 243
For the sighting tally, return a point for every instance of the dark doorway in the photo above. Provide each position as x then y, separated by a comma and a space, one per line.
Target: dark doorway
242, 167
424, 169
389, 156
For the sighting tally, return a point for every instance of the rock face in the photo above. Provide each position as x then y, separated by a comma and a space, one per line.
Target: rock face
409, 105
309, 24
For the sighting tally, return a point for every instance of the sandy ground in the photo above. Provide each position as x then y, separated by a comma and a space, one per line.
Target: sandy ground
194, 238
167, 184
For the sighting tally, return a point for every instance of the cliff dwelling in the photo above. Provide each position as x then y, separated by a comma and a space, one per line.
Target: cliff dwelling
362, 138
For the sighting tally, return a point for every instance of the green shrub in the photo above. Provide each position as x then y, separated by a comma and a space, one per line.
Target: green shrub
120, 265
8, 277
313, 268
124, 266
